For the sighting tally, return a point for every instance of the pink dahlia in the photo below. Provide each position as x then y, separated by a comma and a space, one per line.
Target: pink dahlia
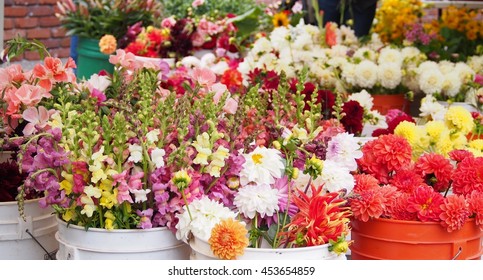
406, 180
468, 176
436, 170
475, 203
426, 203
455, 212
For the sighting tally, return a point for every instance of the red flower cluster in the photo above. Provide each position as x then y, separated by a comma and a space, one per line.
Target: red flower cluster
430, 189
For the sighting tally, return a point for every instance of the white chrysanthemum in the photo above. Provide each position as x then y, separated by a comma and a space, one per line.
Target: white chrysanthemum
446, 66
336, 177
285, 64
410, 53
430, 109
268, 61
339, 51
376, 42
389, 75
136, 153
206, 214
427, 66
349, 73
366, 74
390, 55
431, 81
475, 62
464, 72
261, 46
364, 98
262, 166
451, 84
337, 62
302, 41
344, 149
348, 36
278, 37
364, 53
326, 78
157, 157
256, 199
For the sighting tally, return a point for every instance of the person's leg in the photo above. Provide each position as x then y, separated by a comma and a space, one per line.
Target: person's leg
331, 10
363, 12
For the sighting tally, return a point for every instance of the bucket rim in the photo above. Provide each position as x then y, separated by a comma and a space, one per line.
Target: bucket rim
102, 230
403, 222
10, 203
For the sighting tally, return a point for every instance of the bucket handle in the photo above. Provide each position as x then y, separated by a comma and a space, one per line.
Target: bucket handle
457, 253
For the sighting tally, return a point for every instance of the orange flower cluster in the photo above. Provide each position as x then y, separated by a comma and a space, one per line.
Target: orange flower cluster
322, 218
464, 20
394, 15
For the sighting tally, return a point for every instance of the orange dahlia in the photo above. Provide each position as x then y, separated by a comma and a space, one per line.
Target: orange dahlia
436, 170
228, 239
475, 202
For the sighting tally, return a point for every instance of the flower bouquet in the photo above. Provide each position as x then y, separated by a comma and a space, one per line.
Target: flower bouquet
285, 161
421, 179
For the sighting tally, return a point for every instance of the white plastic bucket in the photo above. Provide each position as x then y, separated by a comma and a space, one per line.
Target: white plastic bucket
200, 250
15, 241
77, 243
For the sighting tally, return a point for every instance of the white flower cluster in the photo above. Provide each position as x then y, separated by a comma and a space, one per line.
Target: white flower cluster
205, 214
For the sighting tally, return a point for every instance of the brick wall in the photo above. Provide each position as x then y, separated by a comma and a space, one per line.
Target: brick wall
35, 19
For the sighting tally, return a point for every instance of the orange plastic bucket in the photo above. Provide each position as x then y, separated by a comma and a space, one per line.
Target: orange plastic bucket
385, 102
386, 239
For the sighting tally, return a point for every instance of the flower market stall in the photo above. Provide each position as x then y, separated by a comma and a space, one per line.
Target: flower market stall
234, 130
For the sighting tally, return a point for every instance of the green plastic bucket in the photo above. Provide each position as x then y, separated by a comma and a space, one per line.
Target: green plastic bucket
90, 60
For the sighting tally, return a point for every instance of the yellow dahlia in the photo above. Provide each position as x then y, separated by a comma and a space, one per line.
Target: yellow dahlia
459, 119
228, 239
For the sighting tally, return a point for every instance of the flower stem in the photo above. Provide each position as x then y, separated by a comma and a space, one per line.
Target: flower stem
186, 203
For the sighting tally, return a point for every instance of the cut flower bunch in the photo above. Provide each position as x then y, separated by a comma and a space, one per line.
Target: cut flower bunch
286, 185
424, 173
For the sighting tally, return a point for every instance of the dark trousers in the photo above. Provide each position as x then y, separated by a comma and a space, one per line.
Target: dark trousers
362, 13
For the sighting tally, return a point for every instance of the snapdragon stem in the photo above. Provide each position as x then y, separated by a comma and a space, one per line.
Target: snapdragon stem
186, 203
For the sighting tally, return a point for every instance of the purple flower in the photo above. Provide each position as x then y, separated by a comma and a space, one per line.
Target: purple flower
145, 222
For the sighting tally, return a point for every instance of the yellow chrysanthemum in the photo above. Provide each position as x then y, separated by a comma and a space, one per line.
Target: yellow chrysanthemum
434, 129
476, 147
407, 130
458, 119
107, 44
228, 239
444, 145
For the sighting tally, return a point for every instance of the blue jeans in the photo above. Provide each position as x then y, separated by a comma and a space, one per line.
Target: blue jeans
362, 13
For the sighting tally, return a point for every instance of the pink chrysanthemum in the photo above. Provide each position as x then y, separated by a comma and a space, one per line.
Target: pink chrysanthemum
468, 176
406, 180
436, 170
455, 212
425, 202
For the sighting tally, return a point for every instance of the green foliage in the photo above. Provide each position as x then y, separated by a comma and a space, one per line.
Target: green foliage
212, 9
94, 19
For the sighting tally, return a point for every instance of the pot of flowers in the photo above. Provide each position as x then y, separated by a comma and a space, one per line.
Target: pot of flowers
99, 26
27, 225
419, 197
101, 169
277, 175
23, 238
